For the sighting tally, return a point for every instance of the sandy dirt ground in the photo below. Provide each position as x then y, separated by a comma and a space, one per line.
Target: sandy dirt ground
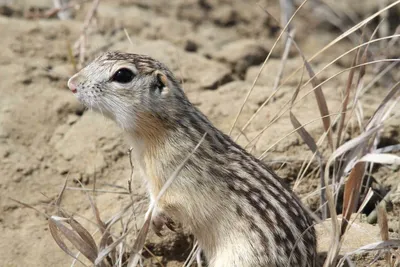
216, 48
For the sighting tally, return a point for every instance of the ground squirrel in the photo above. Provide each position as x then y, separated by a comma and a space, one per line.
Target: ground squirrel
238, 209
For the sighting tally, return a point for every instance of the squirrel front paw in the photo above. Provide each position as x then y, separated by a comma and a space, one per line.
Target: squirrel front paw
159, 220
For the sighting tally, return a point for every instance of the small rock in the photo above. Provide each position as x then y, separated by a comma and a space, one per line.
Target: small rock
190, 46
27, 81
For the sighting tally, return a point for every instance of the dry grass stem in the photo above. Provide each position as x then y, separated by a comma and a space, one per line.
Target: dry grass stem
283, 31
80, 45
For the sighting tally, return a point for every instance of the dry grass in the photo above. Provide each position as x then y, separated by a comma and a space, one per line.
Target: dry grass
342, 164
112, 250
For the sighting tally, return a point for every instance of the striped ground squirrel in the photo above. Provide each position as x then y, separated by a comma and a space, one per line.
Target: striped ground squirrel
239, 210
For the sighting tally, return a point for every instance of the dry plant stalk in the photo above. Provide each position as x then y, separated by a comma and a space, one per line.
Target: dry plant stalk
283, 31
384, 228
353, 148
346, 101
80, 44
313, 147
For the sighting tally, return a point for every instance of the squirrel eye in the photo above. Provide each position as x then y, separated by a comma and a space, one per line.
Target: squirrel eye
123, 75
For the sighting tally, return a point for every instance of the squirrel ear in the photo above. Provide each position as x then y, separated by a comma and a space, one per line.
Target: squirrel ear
163, 83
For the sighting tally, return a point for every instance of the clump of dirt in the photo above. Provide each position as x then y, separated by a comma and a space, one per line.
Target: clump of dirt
216, 48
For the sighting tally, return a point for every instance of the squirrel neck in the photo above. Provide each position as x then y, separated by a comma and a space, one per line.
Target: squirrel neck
159, 145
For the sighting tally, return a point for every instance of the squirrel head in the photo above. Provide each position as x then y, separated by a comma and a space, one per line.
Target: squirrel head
128, 88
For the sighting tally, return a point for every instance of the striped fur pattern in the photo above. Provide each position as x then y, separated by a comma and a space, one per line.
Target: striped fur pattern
239, 210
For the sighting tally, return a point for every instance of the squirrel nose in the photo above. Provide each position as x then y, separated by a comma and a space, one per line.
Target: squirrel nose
71, 84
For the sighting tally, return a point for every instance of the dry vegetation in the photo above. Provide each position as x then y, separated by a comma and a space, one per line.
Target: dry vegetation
346, 145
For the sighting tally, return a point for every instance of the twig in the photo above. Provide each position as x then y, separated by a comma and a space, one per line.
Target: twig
80, 44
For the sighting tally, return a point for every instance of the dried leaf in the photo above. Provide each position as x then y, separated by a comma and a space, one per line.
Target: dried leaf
55, 232
367, 198
84, 234
106, 247
85, 248
313, 147
351, 193
381, 159
104, 253
307, 138
350, 145
321, 101
106, 237
107, 240
393, 243
139, 243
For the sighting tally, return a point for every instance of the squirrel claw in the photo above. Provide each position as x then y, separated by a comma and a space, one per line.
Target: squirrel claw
159, 220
